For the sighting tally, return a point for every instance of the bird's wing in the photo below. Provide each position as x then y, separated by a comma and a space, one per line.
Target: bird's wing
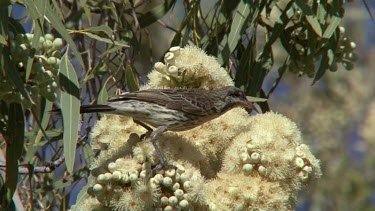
186, 100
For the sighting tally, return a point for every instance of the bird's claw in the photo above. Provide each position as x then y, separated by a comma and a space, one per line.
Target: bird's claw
146, 135
163, 167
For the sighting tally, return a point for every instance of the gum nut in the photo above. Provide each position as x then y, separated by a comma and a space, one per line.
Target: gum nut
120, 161
167, 181
52, 60
159, 178
49, 37
184, 204
255, 156
178, 177
175, 50
180, 169
54, 84
342, 29
303, 175
47, 45
160, 67
300, 153
108, 176
168, 208
112, 167
176, 186
116, 176
57, 43
164, 200
299, 162
169, 58
170, 172
41, 40
49, 73
247, 168
173, 200
97, 188
179, 193
308, 169
244, 157
187, 185
184, 177
133, 177
23, 47
173, 70
143, 174
29, 37
101, 178
262, 170
352, 45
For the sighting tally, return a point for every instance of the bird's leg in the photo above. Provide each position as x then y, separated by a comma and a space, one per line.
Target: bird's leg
162, 163
148, 128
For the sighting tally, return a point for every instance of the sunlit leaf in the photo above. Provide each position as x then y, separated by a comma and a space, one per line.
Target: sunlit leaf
334, 23
106, 40
70, 104
2, 40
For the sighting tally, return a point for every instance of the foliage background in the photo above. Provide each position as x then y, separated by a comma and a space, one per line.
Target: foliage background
336, 114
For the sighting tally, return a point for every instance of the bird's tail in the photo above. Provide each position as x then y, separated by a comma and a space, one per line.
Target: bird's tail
89, 109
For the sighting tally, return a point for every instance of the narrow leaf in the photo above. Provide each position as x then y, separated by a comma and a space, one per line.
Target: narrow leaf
334, 23
102, 28
70, 109
106, 40
16, 132
103, 95
229, 43
314, 23
131, 80
2, 40
256, 99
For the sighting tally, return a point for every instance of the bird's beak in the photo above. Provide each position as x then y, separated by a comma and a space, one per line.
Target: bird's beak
250, 105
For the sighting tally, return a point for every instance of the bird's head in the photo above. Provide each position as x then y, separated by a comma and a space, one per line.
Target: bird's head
235, 97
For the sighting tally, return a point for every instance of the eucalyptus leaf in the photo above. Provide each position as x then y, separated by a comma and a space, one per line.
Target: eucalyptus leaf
155, 13
70, 104
131, 79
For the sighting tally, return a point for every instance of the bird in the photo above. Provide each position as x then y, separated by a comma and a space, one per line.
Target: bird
172, 109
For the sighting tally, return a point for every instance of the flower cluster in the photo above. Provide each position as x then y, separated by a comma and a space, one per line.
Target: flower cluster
256, 162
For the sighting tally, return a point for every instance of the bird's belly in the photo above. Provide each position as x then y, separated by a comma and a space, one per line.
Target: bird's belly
156, 115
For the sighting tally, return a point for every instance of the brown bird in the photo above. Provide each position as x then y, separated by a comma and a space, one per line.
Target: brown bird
172, 109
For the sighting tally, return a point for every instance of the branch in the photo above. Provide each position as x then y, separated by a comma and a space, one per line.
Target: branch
28, 168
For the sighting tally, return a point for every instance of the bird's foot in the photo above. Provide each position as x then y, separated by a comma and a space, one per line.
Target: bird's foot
161, 166
146, 135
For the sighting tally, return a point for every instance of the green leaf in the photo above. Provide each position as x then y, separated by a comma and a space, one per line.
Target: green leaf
59, 26
334, 23
83, 193
102, 28
2, 40
35, 11
314, 23
15, 76
106, 40
155, 13
131, 80
256, 99
322, 67
103, 94
239, 24
14, 146
70, 104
